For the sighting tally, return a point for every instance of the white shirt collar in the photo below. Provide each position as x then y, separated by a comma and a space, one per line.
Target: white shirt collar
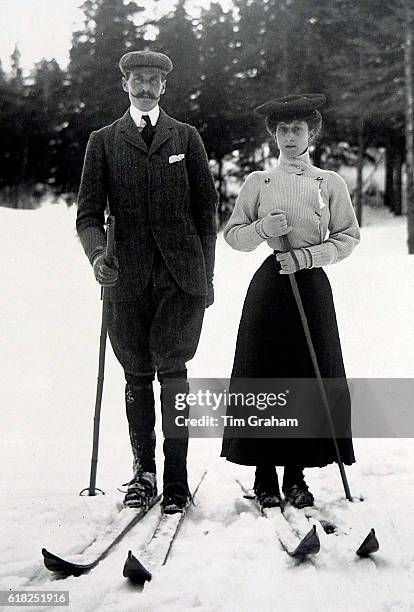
136, 115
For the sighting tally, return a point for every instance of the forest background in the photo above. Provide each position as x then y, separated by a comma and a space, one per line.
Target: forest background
227, 59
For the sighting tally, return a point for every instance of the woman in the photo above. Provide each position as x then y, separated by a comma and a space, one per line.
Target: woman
313, 207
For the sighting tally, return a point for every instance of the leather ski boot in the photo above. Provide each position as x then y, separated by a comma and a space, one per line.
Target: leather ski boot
295, 489
176, 493
266, 486
140, 408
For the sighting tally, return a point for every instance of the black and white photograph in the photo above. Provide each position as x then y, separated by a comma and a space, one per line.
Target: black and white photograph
207, 305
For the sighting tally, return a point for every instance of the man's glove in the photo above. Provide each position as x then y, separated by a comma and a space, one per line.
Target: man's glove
273, 225
210, 295
105, 274
287, 262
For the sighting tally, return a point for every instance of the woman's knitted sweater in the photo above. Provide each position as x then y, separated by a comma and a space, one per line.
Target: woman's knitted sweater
316, 204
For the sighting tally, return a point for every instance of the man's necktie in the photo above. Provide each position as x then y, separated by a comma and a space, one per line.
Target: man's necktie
148, 131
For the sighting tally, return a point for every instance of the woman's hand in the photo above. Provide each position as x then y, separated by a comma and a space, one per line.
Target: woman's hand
288, 264
275, 224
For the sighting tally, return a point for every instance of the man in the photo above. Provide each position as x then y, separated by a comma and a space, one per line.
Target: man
153, 173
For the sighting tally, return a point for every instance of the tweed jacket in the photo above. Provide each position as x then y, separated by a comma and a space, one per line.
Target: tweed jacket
162, 197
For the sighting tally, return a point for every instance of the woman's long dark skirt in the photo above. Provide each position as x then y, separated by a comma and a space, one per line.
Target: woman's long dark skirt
271, 344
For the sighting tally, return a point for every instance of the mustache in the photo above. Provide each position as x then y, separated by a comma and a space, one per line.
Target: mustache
144, 94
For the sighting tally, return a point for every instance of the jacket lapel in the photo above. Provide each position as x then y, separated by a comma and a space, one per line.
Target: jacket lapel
163, 131
131, 133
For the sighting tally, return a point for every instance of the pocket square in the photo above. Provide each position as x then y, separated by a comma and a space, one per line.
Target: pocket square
176, 158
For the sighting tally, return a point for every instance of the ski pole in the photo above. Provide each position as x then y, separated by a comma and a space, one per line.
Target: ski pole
299, 303
109, 253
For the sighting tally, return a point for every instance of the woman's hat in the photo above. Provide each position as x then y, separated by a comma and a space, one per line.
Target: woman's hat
291, 106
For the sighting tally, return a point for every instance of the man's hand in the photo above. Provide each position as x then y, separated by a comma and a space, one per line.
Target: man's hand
275, 224
105, 274
287, 263
210, 295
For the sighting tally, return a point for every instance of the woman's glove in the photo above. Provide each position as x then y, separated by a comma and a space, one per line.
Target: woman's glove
273, 225
105, 274
288, 264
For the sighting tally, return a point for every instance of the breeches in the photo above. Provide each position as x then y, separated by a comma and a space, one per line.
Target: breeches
157, 332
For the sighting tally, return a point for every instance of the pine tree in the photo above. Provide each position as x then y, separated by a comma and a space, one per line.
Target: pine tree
409, 118
177, 39
16, 70
95, 95
15, 134
216, 96
373, 64
219, 121
108, 33
46, 96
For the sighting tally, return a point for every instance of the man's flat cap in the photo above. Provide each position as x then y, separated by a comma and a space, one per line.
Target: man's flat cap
136, 59
290, 106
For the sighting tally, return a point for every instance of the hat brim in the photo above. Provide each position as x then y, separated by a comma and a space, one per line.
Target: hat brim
134, 60
291, 105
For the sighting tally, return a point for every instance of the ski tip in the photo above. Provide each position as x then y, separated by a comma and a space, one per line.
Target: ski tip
52, 562
310, 545
135, 571
60, 566
369, 545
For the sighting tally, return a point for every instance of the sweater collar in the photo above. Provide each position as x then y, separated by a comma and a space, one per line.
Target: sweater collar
295, 165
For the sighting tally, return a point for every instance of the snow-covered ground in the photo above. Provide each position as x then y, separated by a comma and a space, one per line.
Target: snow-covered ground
226, 558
